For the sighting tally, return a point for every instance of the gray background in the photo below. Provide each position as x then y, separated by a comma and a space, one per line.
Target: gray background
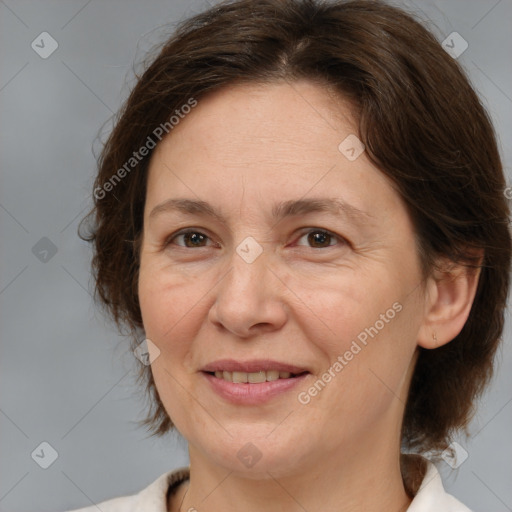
66, 376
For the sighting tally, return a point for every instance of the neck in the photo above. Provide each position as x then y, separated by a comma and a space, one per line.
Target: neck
363, 480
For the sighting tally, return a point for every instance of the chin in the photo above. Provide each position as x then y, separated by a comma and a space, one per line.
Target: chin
253, 454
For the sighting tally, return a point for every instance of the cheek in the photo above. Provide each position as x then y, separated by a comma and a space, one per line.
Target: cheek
373, 361
370, 340
165, 297
347, 307
173, 308
170, 310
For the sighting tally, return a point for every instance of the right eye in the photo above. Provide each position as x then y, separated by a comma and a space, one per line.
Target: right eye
191, 239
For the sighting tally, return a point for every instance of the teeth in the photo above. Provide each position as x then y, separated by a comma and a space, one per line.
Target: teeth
239, 377
255, 378
252, 378
272, 375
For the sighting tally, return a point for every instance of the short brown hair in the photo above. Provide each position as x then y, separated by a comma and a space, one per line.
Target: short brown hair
422, 125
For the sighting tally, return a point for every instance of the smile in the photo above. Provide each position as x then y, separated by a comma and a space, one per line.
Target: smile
249, 384
253, 377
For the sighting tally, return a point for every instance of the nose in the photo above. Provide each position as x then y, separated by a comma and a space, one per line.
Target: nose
249, 298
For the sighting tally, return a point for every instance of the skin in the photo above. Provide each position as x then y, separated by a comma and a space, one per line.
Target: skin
302, 301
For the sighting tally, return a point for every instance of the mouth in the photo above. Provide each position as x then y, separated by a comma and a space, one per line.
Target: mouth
252, 382
253, 371
254, 377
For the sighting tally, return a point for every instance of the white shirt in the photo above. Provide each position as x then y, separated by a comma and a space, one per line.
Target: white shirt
431, 496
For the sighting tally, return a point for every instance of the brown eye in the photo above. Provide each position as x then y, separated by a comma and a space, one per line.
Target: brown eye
191, 239
319, 238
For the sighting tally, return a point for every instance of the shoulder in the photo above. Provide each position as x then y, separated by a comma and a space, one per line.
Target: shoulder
431, 496
153, 498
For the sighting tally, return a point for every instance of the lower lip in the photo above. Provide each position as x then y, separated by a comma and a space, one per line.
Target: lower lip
252, 394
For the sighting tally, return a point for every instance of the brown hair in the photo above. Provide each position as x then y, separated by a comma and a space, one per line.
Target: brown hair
421, 122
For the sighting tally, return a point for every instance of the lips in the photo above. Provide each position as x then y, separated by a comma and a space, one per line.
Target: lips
252, 366
252, 382
253, 393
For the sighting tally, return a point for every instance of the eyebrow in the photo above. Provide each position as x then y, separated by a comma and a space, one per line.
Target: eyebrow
280, 210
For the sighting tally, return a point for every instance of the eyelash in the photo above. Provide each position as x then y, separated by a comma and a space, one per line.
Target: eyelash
172, 237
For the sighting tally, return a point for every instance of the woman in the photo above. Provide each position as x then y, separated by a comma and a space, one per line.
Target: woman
301, 208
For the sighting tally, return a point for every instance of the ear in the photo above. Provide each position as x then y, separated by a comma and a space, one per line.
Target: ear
450, 292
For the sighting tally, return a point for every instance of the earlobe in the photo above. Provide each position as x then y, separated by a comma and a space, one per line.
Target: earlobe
449, 298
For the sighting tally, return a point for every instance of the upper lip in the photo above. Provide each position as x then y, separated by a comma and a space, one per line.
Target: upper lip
252, 366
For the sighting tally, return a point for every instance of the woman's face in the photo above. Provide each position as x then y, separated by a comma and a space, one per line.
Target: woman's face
267, 279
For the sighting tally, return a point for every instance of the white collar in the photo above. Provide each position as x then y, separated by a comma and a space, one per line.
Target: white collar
431, 496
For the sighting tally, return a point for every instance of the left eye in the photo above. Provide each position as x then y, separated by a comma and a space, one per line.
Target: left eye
319, 238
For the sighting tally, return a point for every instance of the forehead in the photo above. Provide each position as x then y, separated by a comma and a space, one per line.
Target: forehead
279, 141
279, 115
